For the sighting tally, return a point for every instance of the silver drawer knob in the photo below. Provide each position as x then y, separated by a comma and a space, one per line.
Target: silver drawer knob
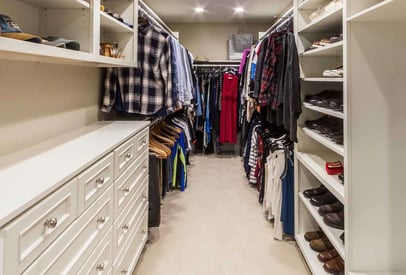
51, 223
144, 198
100, 267
144, 230
126, 190
125, 270
144, 167
126, 226
101, 220
128, 156
100, 181
144, 142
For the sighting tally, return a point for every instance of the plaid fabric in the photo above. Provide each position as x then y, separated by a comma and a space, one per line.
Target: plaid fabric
147, 88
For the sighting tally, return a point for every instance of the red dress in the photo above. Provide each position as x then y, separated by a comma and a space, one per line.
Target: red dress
228, 116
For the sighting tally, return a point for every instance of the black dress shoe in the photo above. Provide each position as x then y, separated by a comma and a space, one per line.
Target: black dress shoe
327, 198
335, 220
330, 208
341, 178
309, 193
342, 237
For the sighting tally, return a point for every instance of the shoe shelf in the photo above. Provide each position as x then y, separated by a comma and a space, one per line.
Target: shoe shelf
338, 148
316, 267
110, 24
330, 22
60, 4
326, 111
335, 49
385, 11
323, 79
332, 234
311, 4
316, 165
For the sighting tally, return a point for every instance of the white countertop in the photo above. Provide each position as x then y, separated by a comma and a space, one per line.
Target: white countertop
30, 174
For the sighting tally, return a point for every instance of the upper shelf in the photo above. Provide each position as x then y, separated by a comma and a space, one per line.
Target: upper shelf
13, 49
311, 4
323, 79
110, 24
335, 49
331, 22
58, 4
385, 11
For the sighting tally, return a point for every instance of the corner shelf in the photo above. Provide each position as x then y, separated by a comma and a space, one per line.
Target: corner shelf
110, 24
311, 4
332, 234
385, 11
326, 111
335, 49
339, 149
323, 79
316, 267
326, 23
315, 164
53, 4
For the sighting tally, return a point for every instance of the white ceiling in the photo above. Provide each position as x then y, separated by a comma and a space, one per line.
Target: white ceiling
218, 11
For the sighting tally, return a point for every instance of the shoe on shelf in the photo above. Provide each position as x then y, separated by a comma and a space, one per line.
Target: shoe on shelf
335, 220
337, 72
309, 193
341, 178
342, 237
335, 265
333, 6
334, 168
314, 235
321, 245
330, 208
318, 13
327, 198
327, 255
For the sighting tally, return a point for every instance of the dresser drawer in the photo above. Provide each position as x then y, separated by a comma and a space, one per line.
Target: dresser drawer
95, 180
127, 260
128, 220
28, 235
100, 262
128, 183
124, 155
69, 252
142, 141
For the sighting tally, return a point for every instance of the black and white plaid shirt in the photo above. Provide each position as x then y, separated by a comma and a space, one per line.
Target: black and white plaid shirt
147, 88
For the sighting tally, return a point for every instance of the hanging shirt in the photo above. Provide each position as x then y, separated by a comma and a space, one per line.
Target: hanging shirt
148, 88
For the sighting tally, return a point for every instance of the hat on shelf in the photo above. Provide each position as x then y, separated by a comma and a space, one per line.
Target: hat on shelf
62, 43
11, 30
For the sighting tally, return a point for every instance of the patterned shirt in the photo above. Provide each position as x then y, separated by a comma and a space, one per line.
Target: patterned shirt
147, 88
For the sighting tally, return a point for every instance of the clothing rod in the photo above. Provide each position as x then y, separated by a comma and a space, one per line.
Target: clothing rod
152, 15
216, 65
282, 20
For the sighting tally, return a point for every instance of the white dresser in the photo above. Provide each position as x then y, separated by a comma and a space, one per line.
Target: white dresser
76, 204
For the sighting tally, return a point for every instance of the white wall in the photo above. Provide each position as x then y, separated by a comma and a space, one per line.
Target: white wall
39, 101
211, 40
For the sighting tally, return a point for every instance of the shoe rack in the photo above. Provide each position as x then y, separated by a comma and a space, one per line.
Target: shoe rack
78, 20
314, 149
373, 54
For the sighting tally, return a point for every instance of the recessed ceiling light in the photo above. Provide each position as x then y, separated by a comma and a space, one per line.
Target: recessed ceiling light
199, 10
239, 9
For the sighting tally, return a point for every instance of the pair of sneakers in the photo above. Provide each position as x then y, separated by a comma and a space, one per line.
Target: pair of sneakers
337, 72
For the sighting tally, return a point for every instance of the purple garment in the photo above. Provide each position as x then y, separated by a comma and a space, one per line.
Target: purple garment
244, 57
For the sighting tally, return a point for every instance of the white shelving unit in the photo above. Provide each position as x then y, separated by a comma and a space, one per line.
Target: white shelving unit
314, 149
77, 20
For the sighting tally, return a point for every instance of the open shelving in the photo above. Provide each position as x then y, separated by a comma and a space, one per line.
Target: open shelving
384, 11
326, 23
335, 49
322, 110
316, 267
338, 148
323, 79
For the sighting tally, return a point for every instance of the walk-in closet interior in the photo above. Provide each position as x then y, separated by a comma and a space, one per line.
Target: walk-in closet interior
156, 137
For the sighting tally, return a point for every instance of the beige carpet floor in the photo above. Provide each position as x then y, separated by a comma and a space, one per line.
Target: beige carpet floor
216, 227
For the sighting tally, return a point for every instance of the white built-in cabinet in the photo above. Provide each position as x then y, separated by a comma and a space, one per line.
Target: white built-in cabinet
77, 203
78, 20
373, 53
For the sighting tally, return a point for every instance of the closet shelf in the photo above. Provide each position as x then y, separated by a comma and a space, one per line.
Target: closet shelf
58, 4
339, 149
332, 234
335, 49
330, 22
385, 11
324, 110
323, 79
12, 49
110, 24
311, 4
316, 267
316, 165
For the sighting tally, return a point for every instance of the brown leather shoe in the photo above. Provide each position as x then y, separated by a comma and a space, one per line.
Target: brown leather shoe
335, 220
314, 235
334, 266
330, 208
321, 245
327, 255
